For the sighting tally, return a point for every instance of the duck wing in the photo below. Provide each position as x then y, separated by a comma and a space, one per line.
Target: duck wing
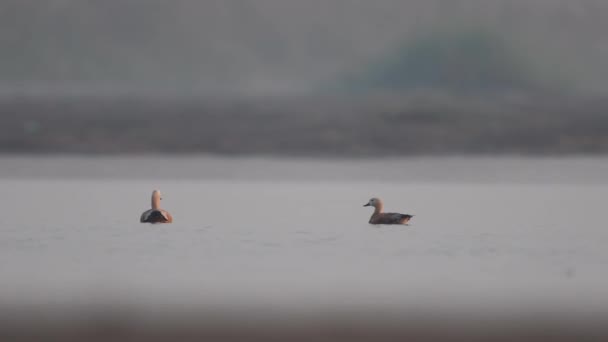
167, 216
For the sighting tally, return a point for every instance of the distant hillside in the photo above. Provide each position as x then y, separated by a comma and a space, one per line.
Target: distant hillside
274, 45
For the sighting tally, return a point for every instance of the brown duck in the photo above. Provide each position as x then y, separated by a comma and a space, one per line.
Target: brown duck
378, 217
156, 214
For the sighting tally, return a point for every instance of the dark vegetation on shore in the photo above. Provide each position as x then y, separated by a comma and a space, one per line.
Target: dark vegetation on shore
382, 125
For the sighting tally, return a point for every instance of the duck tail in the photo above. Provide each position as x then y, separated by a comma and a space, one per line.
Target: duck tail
406, 218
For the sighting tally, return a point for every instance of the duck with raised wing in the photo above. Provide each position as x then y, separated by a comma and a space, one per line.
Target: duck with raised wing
378, 217
156, 214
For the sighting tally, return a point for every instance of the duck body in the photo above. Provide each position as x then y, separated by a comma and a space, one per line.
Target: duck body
390, 218
379, 217
156, 214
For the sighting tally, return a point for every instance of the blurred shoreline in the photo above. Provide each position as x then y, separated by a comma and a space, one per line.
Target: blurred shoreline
128, 325
579, 170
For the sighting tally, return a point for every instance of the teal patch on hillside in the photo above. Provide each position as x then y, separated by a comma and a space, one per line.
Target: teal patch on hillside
461, 61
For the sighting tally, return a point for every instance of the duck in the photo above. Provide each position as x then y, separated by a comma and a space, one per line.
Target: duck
156, 214
378, 217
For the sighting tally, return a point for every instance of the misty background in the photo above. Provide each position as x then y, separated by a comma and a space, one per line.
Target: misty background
337, 77
439, 107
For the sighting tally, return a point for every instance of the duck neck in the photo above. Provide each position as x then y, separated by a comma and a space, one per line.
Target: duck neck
155, 201
378, 208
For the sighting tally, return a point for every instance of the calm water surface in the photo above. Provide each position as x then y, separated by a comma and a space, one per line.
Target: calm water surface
487, 232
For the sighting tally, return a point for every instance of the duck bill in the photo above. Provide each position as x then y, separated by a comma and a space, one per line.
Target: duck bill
366, 205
